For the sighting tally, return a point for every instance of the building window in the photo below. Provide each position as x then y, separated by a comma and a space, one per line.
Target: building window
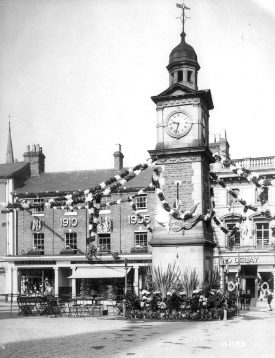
141, 202
104, 200
180, 76
262, 195
230, 226
38, 209
104, 242
230, 199
262, 234
71, 240
189, 76
141, 238
38, 241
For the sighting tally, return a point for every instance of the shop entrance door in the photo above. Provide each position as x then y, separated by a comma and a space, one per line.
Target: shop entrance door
248, 275
250, 286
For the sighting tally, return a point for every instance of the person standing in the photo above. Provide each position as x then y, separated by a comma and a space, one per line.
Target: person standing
248, 299
242, 299
269, 299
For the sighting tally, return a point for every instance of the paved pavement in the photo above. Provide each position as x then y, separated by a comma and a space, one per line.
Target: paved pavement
250, 335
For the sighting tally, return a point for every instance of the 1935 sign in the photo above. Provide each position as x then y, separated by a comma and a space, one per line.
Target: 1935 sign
135, 219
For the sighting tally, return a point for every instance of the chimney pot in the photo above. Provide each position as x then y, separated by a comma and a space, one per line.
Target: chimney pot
118, 158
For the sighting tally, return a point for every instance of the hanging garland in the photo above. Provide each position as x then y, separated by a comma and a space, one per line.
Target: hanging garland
259, 181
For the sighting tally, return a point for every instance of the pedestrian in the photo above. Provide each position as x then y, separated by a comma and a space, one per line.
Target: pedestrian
242, 299
269, 299
248, 299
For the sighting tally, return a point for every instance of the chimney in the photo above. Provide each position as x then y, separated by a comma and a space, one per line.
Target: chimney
36, 158
118, 158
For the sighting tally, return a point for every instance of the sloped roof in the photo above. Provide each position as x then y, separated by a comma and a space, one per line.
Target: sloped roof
11, 170
78, 180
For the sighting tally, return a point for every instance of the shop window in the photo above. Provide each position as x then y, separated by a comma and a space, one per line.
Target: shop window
230, 226
262, 195
71, 240
262, 234
141, 238
141, 202
38, 241
230, 199
104, 242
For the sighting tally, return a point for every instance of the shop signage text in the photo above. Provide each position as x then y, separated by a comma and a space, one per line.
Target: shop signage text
241, 260
68, 222
134, 219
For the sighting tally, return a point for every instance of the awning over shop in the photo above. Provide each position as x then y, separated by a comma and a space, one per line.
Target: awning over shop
99, 272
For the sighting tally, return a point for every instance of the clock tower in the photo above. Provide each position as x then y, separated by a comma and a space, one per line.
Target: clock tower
184, 157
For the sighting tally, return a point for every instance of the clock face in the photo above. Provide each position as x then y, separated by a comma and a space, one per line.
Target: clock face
178, 124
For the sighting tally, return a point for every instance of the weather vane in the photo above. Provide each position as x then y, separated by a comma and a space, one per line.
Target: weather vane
183, 17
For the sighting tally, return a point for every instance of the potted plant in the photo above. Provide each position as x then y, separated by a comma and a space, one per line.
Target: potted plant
139, 249
35, 251
68, 250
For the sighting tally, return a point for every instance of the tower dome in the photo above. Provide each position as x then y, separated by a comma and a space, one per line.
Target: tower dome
183, 53
183, 64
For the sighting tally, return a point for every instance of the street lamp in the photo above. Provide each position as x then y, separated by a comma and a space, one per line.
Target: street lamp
238, 285
125, 282
125, 286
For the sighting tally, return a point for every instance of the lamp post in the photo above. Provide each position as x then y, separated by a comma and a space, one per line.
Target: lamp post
125, 282
222, 264
125, 286
238, 286
225, 266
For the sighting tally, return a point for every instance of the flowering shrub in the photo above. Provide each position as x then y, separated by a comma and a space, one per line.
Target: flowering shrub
176, 306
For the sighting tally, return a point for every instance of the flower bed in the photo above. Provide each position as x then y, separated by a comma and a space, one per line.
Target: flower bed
176, 306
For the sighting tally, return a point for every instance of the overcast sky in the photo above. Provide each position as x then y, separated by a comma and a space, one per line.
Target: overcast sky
76, 76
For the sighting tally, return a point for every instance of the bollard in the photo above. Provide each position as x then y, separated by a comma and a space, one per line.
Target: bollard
225, 315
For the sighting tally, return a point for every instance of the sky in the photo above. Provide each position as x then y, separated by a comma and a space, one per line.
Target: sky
77, 76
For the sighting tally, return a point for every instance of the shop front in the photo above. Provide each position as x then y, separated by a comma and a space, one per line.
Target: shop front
33, 281
108, 282
253, 273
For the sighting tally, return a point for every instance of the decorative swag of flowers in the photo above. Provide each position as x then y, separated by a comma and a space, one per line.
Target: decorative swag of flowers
259, 181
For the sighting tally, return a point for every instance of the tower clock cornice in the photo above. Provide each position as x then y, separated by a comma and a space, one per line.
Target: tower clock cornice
202, 151
172, 93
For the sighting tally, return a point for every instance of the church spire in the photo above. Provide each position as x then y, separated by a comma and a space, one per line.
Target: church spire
9, 154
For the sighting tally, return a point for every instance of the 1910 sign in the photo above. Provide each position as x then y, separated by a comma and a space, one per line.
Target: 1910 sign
68, 222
